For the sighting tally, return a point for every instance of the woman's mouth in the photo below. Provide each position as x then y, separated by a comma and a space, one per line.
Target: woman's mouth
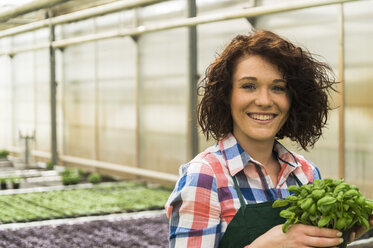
261, 117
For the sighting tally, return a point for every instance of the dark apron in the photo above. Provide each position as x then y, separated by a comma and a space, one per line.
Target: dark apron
251, 221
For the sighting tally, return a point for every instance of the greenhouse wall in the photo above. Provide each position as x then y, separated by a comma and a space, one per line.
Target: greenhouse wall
124, 100
359, 103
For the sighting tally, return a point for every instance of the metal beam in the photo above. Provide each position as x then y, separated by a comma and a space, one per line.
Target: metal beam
139, 95
186, 22
253, 20
28, 7
79, 15
96, 97
118, 168
121, 168
53, 100
25, 49
341, 70
192, 133
14, 132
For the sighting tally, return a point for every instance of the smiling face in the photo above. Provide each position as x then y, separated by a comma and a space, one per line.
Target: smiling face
259, 100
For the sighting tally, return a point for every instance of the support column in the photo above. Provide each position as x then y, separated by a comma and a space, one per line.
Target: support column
341, 110
14, 133
138, 94
53, 89
96, 124
192, 132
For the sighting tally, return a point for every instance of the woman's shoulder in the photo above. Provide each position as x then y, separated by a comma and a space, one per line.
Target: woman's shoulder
199, 173
307, 167
292, 158
303, 161
209, 159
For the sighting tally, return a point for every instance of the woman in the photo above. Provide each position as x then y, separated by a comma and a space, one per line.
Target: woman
260, 89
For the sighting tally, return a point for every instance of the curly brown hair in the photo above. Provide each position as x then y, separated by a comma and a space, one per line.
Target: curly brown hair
309, 82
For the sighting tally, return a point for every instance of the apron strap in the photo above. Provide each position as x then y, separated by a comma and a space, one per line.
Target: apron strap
240, 196
296, 179
242, 201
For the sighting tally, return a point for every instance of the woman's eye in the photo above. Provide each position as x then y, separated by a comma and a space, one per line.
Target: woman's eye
248, 86
279, 88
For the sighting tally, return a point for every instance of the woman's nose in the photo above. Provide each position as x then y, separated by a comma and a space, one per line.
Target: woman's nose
263, 98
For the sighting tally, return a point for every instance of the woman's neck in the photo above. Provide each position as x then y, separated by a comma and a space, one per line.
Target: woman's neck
261, 151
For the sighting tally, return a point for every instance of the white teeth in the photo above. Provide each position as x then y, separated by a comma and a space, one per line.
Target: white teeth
261, 117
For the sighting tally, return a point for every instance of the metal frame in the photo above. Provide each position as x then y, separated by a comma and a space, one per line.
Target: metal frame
186, 22
191, 22
192, 132
138, 92
341, 95
78, 15
96, 138
28, 7
53, 90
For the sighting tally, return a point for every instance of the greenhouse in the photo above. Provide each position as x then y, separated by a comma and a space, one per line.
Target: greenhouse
106, 90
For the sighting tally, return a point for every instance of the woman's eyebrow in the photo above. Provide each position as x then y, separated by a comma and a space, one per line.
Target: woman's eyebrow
248, 79
279, 81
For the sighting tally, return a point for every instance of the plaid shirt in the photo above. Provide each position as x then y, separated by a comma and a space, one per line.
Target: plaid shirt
204, 200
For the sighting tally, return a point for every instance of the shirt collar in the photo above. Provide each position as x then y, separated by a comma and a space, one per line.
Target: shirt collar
237, 158
284, 156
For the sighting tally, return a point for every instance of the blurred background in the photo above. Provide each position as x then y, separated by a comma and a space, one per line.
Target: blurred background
110, 86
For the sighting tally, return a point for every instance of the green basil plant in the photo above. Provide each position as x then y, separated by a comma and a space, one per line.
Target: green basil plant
326, 203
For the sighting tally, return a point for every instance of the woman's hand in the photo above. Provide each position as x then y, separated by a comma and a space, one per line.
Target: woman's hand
360, 230
298, 236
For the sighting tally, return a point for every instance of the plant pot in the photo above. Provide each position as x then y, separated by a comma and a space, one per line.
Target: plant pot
345, 236
3, 185
16, 185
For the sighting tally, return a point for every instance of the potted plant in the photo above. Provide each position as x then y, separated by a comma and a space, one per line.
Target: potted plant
4, 154
49, 165
71, 177
94, 178
326, 203
3, 184
16, 182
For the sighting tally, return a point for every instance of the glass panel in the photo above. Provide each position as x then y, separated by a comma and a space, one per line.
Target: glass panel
24, 90
23, 97
22, 40
163, 87
163, 112
41, 35
5, 102
161, 12
107, 22
79, 100
117, 106
5, 43
61, 127
76, 29
358, 88
115, 21
42, 100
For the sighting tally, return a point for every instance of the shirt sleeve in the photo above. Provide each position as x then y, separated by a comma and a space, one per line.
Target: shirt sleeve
193, 208
316, 173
